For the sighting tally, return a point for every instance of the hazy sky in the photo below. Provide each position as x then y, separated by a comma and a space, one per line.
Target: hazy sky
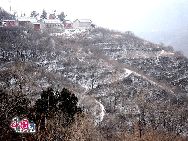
122, 15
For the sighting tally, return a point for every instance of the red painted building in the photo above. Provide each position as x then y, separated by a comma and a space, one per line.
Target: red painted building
52, 16
38, 26
68, 24
10, 23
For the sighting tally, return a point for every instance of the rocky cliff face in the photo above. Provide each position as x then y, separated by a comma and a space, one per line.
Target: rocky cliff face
119, 78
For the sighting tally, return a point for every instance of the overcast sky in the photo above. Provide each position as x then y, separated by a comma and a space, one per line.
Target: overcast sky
135, 15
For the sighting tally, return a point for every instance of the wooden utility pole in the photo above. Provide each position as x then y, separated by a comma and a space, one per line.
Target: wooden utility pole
10, 6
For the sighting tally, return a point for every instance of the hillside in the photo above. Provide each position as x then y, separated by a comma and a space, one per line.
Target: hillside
5, 15
119, 79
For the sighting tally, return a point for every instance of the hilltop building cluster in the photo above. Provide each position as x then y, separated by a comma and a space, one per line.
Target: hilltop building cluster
51, 24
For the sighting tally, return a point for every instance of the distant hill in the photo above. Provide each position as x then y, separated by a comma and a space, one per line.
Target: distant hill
176, 38
168, 24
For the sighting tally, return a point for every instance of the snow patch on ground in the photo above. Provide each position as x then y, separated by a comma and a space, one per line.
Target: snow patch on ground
128, 72
92, 107
70, 32
100, 116
165, 53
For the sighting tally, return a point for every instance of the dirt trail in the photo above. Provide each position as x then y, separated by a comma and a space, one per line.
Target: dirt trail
120, 66
94, 48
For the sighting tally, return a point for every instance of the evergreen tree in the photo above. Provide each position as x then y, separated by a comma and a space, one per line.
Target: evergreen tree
62, 16
34, 14
52, 102
44, 15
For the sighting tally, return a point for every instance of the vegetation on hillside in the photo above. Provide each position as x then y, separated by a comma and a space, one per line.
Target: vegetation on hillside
57, 117
125, 88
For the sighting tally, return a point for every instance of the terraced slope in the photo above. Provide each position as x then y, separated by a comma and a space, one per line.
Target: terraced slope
118, 77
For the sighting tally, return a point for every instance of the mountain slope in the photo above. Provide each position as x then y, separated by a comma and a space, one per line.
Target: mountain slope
118, 77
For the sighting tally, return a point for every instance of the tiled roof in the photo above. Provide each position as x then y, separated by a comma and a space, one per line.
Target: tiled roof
52, 21
32, 20
84, 20
68, 21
